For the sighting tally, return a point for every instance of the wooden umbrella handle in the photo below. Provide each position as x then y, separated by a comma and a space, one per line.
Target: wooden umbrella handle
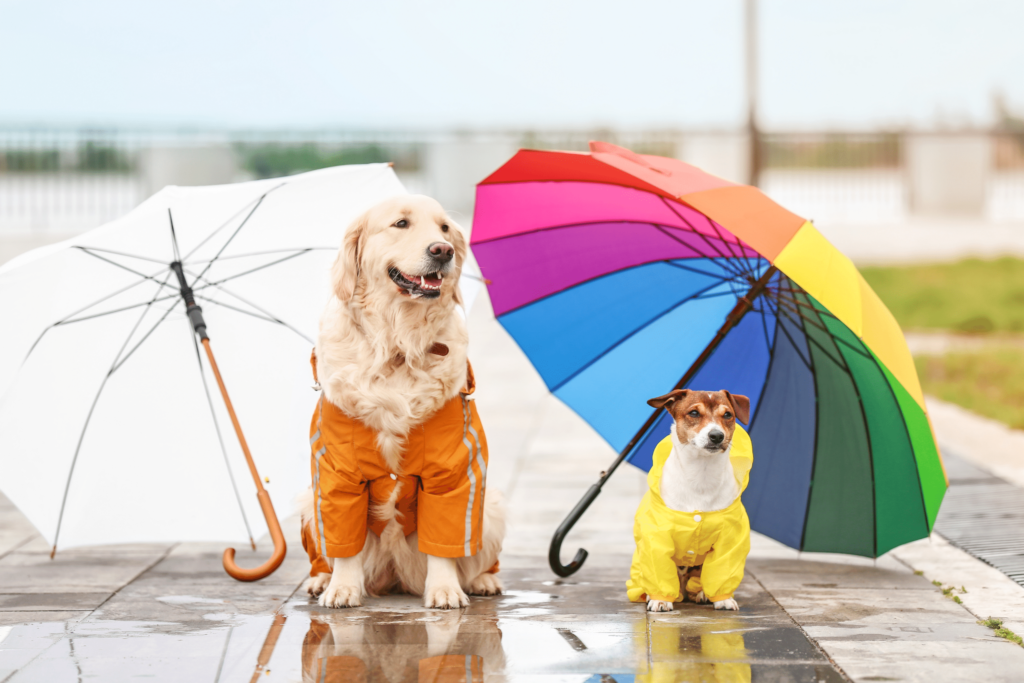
280, 547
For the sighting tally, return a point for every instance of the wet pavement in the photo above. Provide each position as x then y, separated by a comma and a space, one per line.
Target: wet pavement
210, 629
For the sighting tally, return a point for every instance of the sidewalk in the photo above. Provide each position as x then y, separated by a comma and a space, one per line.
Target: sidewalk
170, 613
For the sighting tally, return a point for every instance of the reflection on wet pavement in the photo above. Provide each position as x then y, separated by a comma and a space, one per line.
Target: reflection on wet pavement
574, 630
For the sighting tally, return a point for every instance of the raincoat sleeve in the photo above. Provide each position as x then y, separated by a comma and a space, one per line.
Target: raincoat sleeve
653, 574
723, 566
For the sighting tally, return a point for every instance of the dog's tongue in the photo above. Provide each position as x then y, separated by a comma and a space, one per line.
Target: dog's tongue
430, 281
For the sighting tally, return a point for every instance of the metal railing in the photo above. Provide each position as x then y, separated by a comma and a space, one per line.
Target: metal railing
65, 181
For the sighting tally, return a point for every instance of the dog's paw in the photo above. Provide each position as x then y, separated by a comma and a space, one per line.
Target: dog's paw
486, 584
341, 596
315, 585
728, 603
445, 597
659, 606
701, 599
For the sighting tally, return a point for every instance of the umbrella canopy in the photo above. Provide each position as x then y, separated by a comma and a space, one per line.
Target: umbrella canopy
111, 430
614, 271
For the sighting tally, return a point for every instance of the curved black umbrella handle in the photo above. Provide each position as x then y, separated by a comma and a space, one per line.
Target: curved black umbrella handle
555, 551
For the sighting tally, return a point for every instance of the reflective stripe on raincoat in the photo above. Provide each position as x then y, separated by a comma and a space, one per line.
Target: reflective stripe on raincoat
441, 485
667, 539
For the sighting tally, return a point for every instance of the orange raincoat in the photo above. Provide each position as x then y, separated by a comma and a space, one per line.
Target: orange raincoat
442, 482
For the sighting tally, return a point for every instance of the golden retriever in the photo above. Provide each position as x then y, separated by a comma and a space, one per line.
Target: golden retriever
395, 297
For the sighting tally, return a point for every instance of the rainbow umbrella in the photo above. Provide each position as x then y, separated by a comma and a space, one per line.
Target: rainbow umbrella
622, 276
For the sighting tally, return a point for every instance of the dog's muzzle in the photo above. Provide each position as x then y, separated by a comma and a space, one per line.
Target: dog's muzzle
426, 286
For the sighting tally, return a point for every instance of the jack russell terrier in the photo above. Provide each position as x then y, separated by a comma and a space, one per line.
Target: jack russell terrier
692, 532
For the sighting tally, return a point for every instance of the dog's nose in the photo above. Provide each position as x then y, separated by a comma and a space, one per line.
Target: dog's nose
716, 437
441, 251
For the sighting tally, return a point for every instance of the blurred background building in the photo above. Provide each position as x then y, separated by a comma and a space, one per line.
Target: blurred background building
55, 183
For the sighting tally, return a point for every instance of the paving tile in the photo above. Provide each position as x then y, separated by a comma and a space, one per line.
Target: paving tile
778, 574
35, 602
37, 573
882, 606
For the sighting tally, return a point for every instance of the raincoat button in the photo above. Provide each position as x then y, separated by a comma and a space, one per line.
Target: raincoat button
394, 477
689, 552
696, 518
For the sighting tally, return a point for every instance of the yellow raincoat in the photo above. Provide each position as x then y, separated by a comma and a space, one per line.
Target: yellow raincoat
667, 539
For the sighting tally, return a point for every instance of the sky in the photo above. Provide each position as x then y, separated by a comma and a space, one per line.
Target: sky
402, 64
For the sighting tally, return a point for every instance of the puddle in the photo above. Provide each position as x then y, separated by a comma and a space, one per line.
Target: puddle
188, 600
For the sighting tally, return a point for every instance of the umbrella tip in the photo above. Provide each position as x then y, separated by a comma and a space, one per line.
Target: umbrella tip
54, 551
252, 543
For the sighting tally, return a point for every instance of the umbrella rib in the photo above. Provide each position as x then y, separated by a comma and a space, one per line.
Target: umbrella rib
796, 347
92, 408
637, 330
697, 232
119, 265
216, 283
721, 278
268, 317
174, 237
220, 287
119, 253
237, 230
220, 438
233, 217
718, 232
840, 363
112, 311
726, 261
266, 253
145, 336
795, 310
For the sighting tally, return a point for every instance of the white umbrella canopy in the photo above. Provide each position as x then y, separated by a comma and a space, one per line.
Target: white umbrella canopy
111, 426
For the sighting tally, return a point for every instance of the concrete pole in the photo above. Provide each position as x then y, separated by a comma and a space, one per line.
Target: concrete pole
753, 135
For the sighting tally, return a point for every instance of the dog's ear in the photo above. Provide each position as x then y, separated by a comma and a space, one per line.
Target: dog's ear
740, 406
345, 271
668, 399
458, 239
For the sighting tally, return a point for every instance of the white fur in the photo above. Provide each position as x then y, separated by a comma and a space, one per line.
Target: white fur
374, 362
346, 586
694, 479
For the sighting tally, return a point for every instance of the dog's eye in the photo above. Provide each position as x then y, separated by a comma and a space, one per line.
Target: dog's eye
401, 224
727, 415
444, 228
693, 413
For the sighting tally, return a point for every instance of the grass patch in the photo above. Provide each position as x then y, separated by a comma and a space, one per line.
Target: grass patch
997, 628
989, 383
973, 295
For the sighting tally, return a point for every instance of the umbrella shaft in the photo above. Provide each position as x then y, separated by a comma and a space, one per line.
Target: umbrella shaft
234, 418
195, 313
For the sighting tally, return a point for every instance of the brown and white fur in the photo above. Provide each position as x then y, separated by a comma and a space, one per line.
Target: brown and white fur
395, 295
698, 476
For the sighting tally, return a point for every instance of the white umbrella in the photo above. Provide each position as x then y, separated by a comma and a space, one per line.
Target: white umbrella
110, 431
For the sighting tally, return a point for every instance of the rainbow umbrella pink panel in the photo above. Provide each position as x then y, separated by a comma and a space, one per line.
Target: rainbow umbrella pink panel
623, 275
